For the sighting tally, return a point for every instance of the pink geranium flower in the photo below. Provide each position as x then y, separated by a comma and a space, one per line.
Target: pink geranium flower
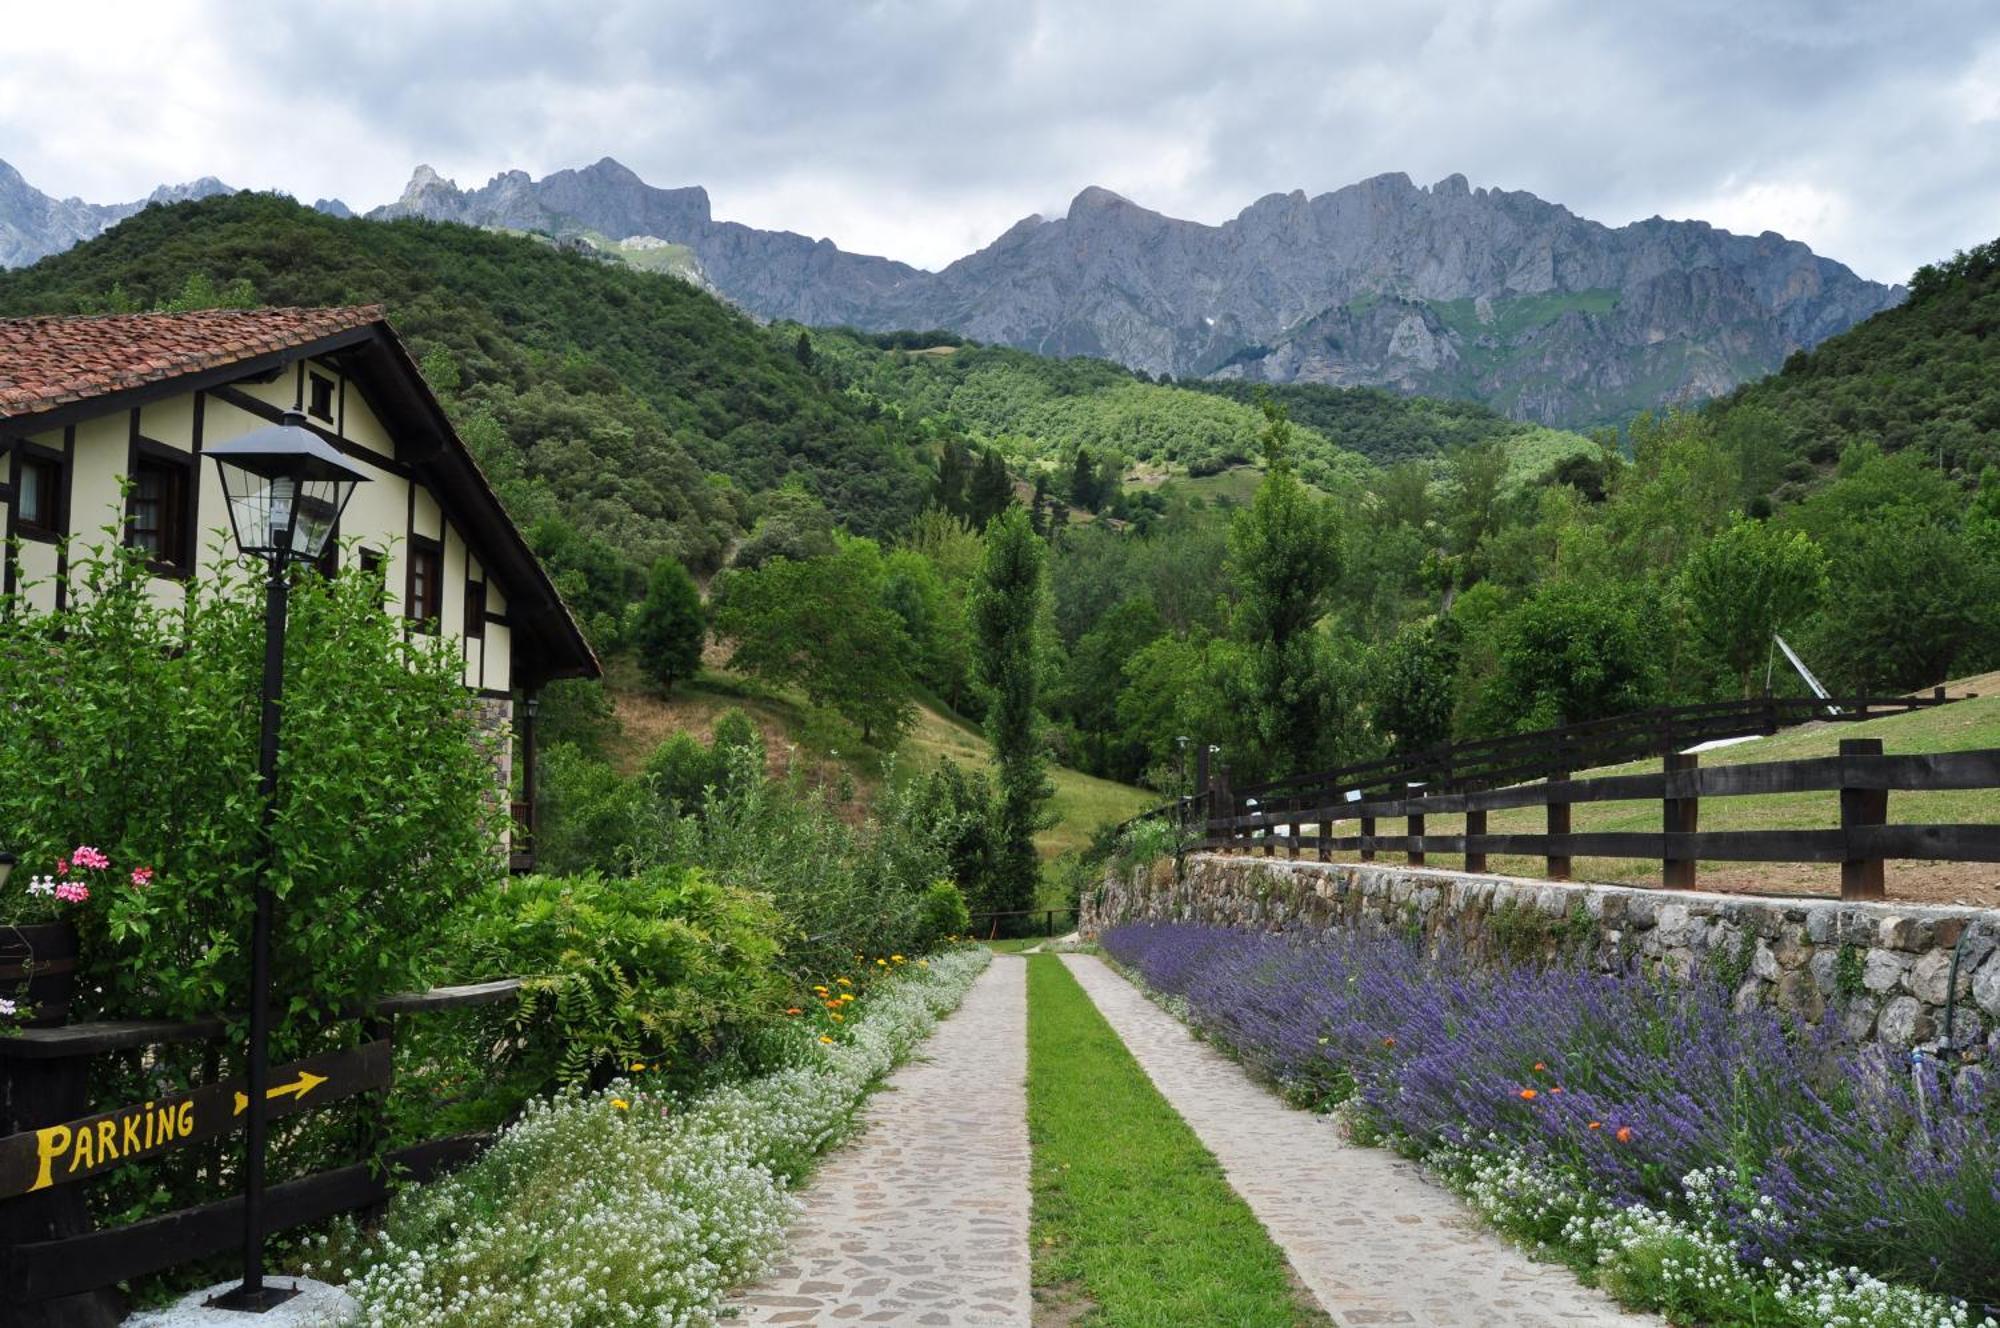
72, 892
142, 876
89, 858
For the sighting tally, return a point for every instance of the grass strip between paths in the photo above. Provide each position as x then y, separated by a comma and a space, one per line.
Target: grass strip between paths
1135, 1225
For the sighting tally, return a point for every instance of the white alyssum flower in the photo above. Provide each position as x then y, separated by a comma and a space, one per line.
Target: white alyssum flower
617, 1209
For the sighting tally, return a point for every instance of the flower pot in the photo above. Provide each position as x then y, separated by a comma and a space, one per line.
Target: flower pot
38, 969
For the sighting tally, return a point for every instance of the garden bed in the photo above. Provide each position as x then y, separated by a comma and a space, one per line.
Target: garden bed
1691, 1157
633, 1205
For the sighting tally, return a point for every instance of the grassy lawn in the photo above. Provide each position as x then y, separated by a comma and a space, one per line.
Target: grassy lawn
796, 734
1082, 802
1134, 1224
1961, 726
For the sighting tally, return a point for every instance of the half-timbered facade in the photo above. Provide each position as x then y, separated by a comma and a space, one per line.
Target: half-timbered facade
103, 421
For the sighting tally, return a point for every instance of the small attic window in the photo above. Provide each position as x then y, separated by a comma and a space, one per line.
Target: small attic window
322, 398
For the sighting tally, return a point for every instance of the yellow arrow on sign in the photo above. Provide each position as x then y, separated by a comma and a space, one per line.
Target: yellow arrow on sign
298, 1088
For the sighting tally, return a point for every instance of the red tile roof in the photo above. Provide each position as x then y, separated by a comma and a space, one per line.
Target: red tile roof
46, 362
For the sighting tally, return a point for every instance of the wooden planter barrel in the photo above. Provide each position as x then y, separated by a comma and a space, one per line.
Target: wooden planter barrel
38, 969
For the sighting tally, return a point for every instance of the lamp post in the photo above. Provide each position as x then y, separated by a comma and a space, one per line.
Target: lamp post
286, 489
7, 861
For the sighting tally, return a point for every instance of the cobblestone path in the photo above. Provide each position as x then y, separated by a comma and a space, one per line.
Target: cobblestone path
923, 1217
1372, 1238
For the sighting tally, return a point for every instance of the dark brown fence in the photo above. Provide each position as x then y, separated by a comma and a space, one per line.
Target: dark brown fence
1555, 753
57, 1269
1861, 777
1023, 922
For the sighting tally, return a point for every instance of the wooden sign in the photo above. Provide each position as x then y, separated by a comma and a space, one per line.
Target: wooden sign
57, 1154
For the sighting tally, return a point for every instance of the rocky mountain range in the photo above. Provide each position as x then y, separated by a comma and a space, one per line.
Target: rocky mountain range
34, 225
1444, 290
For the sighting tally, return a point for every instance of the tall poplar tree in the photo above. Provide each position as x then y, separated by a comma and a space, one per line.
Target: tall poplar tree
1006, 615
1285, 552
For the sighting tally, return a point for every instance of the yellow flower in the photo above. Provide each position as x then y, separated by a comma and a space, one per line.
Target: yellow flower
895, 959
846, 998
838, 1018
843, 982
923, 963
881, 963
621, 1104
824, 1038
638, 1066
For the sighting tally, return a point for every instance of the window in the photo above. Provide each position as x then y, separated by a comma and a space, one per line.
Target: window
371, 562
426, 599
475, 610
38, 496
156, 515
322, 398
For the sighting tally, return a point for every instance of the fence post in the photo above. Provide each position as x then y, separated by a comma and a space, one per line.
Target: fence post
1475, 824
1292, 845
1416, 819
1679, 816
1221, 797
1367, 833
1860, 878
1203, 808
35, 1093
1557, 865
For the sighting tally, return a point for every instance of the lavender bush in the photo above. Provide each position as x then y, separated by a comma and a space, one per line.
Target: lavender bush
1636, 1091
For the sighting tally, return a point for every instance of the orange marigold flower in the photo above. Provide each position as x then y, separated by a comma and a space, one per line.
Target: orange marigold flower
1540, 1068
1624, 1134
1388, 1042
1597, 1125
1557, 1089
1529, 1095
795, 1010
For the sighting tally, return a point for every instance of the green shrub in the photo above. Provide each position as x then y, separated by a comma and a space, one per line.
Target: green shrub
592, 818
942, 914
681, 771
664, 969
132, 726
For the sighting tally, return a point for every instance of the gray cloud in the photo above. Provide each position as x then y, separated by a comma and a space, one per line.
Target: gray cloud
920, 130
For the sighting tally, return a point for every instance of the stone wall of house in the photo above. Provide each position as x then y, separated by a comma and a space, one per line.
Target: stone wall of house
495, 718
1872, 970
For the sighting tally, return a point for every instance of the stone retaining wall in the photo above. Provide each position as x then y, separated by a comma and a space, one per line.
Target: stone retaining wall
1874, 970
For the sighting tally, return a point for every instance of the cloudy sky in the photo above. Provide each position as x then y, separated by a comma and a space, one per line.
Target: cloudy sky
1871, 130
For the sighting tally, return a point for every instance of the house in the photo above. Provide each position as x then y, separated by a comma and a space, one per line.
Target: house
103, 421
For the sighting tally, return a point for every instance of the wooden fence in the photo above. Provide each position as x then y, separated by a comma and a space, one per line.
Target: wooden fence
1536, 769
1861, 776
58, 1270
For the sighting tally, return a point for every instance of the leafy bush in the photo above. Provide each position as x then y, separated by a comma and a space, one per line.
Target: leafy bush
664, 969
633, 1206
592, 818
682, 771
132, 727
941, 915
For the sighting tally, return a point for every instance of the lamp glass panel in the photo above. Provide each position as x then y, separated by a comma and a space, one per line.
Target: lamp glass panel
317, 511
254, 509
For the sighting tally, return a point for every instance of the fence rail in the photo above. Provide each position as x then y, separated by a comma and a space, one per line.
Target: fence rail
58, 1270
987, 924
1537, 769
1861, 775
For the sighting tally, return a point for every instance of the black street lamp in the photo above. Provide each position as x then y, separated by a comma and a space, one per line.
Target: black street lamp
7, 861
286, 489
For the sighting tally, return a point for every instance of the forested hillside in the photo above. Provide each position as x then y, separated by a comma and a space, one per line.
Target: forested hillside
642, 412
1922, 377
1301, 576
